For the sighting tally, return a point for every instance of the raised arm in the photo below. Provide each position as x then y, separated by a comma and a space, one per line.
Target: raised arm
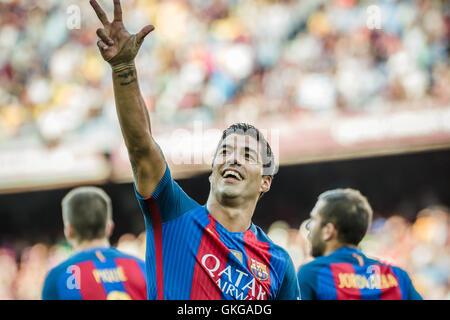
119, 48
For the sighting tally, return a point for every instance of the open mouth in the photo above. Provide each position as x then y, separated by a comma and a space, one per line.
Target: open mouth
232, 175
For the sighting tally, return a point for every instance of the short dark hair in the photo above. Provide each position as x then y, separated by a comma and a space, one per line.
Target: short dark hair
349, 211
87, 209
269, 166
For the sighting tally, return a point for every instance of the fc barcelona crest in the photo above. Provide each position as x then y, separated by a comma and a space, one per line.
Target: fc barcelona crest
259, 270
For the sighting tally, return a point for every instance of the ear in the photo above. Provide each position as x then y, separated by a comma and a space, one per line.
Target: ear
328, 232
68, 231
109, 228
266, 182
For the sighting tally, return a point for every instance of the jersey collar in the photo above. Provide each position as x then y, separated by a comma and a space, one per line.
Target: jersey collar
252, 227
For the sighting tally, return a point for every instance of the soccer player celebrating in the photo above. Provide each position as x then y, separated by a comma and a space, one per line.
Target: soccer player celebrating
97, 271
338, 223
212, 251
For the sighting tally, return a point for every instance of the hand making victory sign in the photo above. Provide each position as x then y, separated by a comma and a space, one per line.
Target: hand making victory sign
117, 46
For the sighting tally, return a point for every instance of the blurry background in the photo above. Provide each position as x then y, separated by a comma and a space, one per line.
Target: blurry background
357, 96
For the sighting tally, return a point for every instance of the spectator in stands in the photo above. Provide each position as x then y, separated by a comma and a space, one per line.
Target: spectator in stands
239, 50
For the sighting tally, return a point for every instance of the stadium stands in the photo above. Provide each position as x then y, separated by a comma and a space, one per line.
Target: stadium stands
216, 61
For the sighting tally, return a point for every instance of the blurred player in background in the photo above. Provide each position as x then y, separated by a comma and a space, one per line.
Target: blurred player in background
97, 271
196, 252
338, 223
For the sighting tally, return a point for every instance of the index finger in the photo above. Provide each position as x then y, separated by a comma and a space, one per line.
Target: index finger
117, 11
99, 11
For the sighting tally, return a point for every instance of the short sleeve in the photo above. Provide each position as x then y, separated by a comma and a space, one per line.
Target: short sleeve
49, 291
412, 292
289, 289
168, 201
305, 278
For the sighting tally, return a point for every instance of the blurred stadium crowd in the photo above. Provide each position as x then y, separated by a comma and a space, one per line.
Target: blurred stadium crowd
230, 60
215, 60
422, 248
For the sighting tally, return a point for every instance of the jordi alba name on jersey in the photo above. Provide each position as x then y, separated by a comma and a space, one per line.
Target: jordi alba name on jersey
347, 274
192, 256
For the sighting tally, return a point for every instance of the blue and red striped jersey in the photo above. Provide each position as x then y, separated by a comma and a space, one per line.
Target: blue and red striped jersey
347, 274
192, 256
97, 274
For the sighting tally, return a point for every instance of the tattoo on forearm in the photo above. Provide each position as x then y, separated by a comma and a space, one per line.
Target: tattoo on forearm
128, 82
130, 73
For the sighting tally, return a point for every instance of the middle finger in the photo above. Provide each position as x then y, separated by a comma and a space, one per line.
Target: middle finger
99, 11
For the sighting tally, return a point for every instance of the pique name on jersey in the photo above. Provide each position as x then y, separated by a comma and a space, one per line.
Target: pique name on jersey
233, 282
111, 275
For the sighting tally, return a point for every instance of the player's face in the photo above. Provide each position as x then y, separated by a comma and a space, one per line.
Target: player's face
314, 228
237, 169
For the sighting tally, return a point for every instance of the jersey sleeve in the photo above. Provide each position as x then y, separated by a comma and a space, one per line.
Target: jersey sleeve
305, 278
49, 291
412, 293
289, 289
407, 287
167, 202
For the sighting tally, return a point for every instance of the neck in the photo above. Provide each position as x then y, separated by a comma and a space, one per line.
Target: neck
96, 243
235, 218
336, 246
